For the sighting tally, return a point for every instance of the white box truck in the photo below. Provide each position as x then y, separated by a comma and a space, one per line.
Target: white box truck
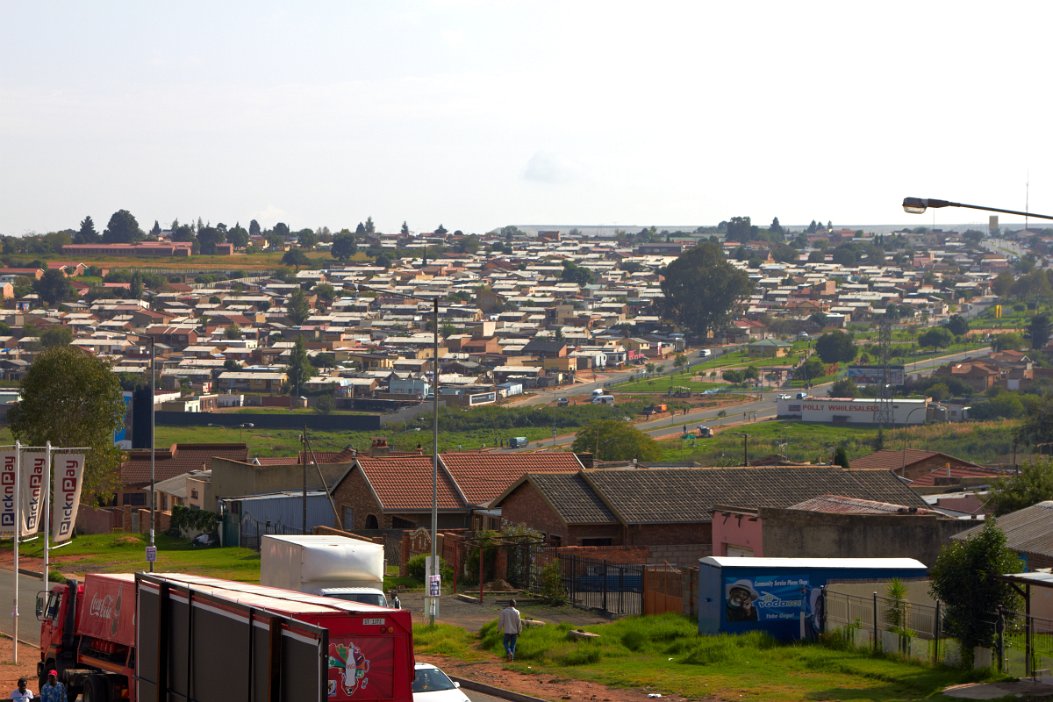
331, 566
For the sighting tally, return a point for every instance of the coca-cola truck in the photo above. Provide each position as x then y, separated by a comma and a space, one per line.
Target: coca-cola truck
148, 637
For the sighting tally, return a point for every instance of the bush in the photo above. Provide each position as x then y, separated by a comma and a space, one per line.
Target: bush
552, 590
191, 522
417, 568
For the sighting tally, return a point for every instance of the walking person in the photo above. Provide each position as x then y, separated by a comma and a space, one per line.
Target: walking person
53, 690
511, 625
21, 694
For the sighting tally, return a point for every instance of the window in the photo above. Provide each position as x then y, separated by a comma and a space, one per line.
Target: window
597, 541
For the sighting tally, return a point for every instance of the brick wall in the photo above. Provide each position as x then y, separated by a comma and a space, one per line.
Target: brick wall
354, 492
526, 506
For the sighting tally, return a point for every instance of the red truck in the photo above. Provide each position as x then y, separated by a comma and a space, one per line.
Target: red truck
148, 637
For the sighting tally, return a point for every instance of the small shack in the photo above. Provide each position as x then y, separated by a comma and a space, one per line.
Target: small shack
783, 596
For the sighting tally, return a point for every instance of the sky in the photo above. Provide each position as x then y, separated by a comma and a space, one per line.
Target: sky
477, 114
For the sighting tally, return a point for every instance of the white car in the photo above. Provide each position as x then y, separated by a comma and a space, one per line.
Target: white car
432, 685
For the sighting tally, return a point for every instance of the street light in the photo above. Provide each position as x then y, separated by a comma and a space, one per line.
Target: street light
918, 205
435, 571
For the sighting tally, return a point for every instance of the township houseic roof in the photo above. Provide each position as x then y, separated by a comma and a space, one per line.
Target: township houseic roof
895, 460
482, 477
179, 459
1029, 530
688, 495
404, 483
570, 495
838, 504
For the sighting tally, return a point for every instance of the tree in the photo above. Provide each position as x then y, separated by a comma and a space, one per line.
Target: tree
71, 398
254, 228
680, 361
208, 238
135, 285
573, 273
965, 578
703, 268
295, 258
441, 231
405, 229
613, 440
958, 325
370, 227
232, 331
155, 231
1039, 330
298, 309
344, 246
844, 388
56, 336
300, 368
1002, 284
325, 293
86, 234
122, 229
835, 347
238, 237
936, 338
1032, 485
739, 229
810, 369
282, 229
53, 287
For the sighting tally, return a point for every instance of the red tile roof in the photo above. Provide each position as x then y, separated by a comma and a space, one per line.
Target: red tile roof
896, 459
483, 477
179, 459
404, 483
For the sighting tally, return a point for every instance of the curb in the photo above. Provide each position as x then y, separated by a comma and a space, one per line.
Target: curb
494, 691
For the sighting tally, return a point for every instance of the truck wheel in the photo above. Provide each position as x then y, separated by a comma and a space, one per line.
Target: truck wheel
95, 689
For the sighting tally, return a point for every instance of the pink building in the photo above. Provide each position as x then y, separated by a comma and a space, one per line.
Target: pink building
737, 532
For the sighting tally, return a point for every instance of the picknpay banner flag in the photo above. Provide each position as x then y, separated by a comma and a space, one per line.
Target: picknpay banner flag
34, 473
8, 463
69, 479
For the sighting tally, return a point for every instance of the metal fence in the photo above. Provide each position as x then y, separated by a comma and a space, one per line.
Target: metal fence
1022, 645
614, 589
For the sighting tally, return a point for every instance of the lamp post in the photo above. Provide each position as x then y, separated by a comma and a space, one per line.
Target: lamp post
918, 205
431, 600
906, 440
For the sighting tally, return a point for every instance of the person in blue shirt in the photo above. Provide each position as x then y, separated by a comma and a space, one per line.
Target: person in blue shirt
53, 690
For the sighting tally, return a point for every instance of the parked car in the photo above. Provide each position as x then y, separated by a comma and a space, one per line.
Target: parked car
785, 396
705, 353
562, 402
802, 395
518, 442
430, 684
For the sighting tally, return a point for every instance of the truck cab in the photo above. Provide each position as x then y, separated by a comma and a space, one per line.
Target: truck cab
56, 612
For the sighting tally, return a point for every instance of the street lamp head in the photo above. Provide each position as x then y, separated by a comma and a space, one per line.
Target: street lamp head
918, 205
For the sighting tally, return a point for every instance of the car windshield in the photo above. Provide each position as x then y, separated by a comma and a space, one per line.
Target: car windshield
430, 680
364, 598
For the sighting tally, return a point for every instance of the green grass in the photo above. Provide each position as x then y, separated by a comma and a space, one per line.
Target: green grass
126, 553
666, 653
980, 442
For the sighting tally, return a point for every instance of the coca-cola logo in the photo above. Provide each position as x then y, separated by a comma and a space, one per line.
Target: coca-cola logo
101, 606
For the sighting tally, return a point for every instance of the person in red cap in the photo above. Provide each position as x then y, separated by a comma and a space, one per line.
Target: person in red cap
53, 690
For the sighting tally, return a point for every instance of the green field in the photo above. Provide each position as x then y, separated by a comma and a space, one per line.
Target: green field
667, 655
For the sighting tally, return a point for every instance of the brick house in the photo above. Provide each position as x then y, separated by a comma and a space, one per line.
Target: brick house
168, 463
669, 510
926, 468
395, 491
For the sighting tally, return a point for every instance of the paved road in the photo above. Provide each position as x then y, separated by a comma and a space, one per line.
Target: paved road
762, 405
28, 587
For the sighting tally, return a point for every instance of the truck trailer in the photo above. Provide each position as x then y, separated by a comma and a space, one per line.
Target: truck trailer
331, 566
150, 637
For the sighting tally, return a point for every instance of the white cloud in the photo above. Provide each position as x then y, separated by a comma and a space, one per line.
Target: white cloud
548, 167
